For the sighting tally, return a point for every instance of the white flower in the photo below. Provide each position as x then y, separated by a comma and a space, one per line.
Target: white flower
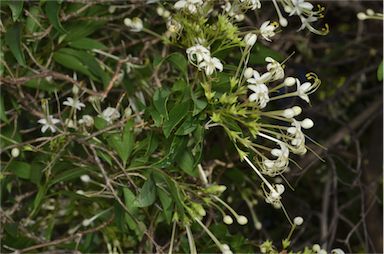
304, 89
274, 68
135, 24
257, 79
250, 39
48, 123
189, 5
210, 64
299, 6
252, 4
259, 95
87, 120
298, 138
278, 166
74, 103
110, 114
267, 30
298, 221
274, 196
197, 53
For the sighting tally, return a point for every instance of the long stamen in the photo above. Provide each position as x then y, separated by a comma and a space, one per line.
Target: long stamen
260, 175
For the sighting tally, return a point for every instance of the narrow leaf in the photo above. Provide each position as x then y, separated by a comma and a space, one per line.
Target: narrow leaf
13, 40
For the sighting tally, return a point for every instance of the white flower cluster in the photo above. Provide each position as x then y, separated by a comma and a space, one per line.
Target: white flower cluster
200, 56
304, 10
49, 122
190, 6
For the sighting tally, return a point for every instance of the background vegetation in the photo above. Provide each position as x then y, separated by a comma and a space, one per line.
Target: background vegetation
44, 43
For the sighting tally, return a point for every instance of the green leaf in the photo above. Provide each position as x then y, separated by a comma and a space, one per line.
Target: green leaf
166, 202
13, 40
179, 61
100, 123
160, 98
33, 17
186, 163
147, 194
380, 72
177, 146
20, 169
3, 116
52, 9
72, 63
38, 199
260, 52
123, 144
68, 175
188, 126
81, 29
177, 113
87, 43
16, 8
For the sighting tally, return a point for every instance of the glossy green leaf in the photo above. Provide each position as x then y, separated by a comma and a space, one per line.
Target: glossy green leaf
260, 52
166, 203
87, 43
177, 113
123, 144
16, 8
20, 169
186, 163
13, 40
160, 98
52, 9
68, 175
72, 63
178, 60
32, 19
188, 126
147, 194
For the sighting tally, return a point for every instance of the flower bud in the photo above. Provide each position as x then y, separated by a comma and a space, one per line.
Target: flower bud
370, 12
85, 178
112, 9
361, 16
248, 73
242, 220
297, 110
258, 225
316, 247
289, 81
283, 21
250, 39
75, 89
288, 113
15, 152
160, 11
227, 220
298, 221
86, 222
307, 123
